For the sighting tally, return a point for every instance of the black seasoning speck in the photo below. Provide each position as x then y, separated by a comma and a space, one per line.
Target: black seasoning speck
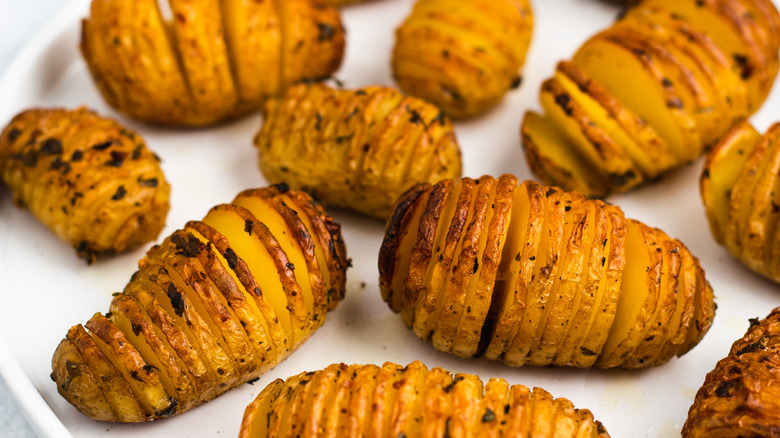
248, 224
13, 134
117, 159
51, 146
563, 100
120, 193
281, 187
136, 154
177, 301
317, 125
516, 82
326, 32
151, 182
103, 146
56, 163
290, 266
489, 416
189, 246
78, 155
231, 258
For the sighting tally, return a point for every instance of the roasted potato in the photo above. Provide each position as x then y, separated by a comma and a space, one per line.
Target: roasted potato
359, 149
534, 275
740, 187
214, 61
89, 179
215, 305
462, 56
739, 398
411, 401
652, 92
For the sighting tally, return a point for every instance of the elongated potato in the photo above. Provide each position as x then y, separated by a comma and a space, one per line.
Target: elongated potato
214, 61
740, 187
359, 149
652, 92
215, 305
534, 275
462, 56
89, 179
412, 401
740, 396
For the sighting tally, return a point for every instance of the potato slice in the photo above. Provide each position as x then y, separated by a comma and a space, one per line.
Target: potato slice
128, 318
722, 167
78, 383
388, 381
142, 377
252, 424
427, 312
552, 160
552, 327
112, 383
604, 156
407, 410
514, 272
396, 247
359, 407
546, 269
686, 288
608, 61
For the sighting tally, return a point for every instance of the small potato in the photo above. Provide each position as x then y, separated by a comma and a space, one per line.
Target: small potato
533, 275
359, 149
90, 180
413, 402
740, 397
740, 188
652, 92
214, 61
213, 306
462, 55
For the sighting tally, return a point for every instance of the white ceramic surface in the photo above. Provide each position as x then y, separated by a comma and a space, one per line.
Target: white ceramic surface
46, 289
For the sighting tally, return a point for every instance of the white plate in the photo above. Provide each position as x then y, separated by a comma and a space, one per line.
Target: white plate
46, 289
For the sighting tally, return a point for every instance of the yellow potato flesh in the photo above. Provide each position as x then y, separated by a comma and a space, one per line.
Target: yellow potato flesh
260, 263
566, 165
599, 115
722, 169
266, 214
634, 290
254, 309
610, 65
716, 27
742, 193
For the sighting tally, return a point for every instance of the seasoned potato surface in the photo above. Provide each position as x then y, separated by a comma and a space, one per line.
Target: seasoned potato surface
215, 305
89, 179
528, 274
356, 148
412, 401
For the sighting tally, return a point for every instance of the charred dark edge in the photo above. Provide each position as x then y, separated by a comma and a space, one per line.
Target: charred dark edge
397, 223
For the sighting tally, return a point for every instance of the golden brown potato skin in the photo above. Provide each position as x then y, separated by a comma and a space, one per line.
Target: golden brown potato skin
215, 305
411, 401
528, 274
740, 396
222, 59
688, 70
356, 148
462, 56
89, 179
740, 188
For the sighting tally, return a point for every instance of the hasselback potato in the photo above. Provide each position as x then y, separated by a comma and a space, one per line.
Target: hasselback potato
739, 398
215, 305
213, 61
652, 92
462, 55
740, 187
89, 179
356, 148
533, 275
395, 401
